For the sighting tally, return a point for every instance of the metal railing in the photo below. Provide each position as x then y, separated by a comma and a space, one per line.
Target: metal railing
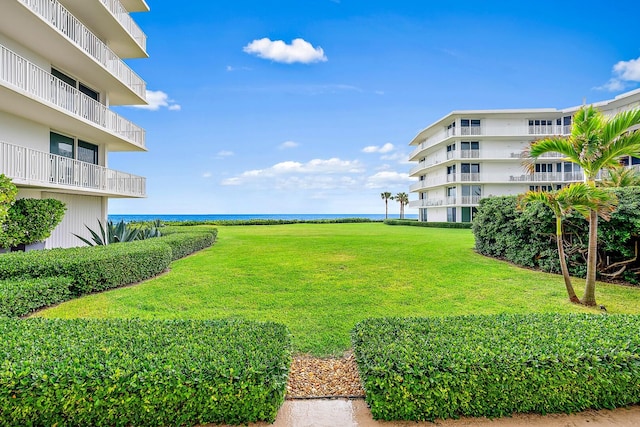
42, 85
60, 18
123, 17
50, 170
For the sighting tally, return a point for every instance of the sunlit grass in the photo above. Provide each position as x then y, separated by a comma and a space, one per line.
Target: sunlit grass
320, 279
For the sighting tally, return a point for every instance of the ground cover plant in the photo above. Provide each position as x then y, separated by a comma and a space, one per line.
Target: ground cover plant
494, 366
322, 279
119, 372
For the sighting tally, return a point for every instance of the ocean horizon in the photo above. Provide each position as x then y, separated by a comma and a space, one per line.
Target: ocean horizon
244, 217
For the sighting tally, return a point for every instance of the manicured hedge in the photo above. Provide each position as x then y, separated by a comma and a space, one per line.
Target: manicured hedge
493, 366
92, 269
90, 372
528, 238
186, 243
427, 224
21, 297
259, 221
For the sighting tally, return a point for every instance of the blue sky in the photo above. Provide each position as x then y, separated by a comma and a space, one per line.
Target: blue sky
291, 106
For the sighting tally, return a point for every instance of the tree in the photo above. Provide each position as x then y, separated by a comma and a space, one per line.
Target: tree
403, 199
579, 197
386, 196
621, 177
595, 143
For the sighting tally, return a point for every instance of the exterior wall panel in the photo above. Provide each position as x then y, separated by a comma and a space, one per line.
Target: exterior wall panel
81, 210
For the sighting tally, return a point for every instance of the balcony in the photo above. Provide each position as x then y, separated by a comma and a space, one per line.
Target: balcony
448, 201
60, 105
492, 131
549, 177
33, 168
57, 35
112, 22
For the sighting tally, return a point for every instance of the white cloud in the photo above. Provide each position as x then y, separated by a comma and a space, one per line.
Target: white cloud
277, 50
314, 174
157, 99
224, 153
231, 68
386, 148
387, 179
288, 144
207, 175
624, 73
398, 156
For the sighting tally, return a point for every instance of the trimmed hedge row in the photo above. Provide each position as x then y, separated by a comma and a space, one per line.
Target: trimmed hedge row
183, 244
257, 221
21, 297
427, 224
527, 238
494, 366
94, 268
122, 372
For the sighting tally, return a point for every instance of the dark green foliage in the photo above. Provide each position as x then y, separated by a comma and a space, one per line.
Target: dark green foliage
90, 372
427, 224
8, 193
494, 366
527, 238
183, 244
271, 221
21, 297
31, 220
94, 268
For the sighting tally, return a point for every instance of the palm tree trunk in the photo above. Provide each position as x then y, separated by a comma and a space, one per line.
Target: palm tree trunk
386, 208
563, 263
589, 297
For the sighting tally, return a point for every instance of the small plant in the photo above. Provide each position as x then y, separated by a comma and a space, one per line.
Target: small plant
112, 233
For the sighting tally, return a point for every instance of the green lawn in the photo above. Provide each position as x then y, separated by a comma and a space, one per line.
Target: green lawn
320, 279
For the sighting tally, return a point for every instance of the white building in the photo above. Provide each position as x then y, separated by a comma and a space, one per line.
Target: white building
468, 155
60, 71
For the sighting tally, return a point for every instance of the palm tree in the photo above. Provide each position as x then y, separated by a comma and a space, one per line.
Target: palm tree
403, 199
621, 177
595, 143
579, 197
386, 196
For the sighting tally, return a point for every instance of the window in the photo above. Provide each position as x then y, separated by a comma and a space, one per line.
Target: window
469, 126
451, 214
470, 167
87, 152
76, 85
65, 146
540, 126
61, 145
541, 187
544, 167
451, 170
451, 147
451, 191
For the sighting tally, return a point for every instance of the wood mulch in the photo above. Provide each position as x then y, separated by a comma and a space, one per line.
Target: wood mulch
312, 377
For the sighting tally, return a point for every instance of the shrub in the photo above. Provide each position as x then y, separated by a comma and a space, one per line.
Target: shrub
131, 372
264, 221
21, 297
527, 238
94, 268
427, 224
31, 220
8, 193
492, 366
183, 244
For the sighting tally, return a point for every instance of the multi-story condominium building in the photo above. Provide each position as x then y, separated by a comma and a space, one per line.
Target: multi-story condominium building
60, 71
468, 155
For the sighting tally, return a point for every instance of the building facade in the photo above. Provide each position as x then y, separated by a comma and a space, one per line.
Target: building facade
61, 70
468, 155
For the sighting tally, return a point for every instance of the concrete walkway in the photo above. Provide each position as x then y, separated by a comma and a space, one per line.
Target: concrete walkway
355, 413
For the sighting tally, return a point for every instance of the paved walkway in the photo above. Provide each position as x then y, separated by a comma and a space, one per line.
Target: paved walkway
355, 413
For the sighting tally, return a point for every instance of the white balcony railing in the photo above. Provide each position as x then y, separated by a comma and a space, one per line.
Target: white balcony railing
491, 130
551, 177
447, 201
60, 18
123, 17
49, 170
40, 84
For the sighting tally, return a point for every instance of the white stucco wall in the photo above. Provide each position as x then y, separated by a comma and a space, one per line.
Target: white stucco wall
81, 210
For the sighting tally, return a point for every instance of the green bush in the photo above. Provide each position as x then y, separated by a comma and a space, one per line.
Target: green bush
8, 193
31, 220
21, 297
94, 268
90, 372
494, 366
258, 221
527, 238
183, 244
427, 224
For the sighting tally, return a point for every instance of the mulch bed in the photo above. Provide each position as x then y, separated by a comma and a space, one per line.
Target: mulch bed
312, 377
